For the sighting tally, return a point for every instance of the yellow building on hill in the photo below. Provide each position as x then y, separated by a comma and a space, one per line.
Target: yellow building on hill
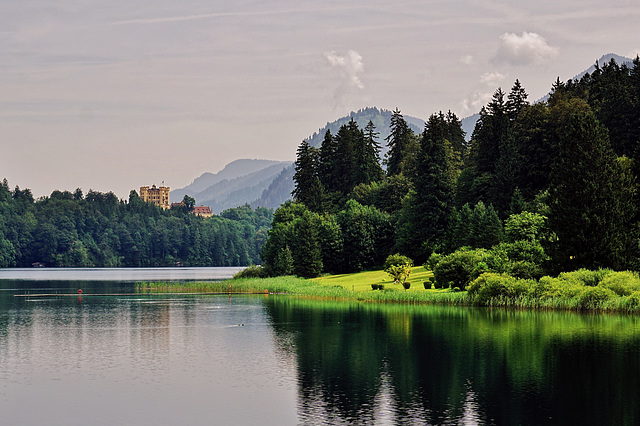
158, 196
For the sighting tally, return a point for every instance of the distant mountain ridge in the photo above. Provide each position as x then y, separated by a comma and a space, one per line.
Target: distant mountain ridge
239, 182
280, 190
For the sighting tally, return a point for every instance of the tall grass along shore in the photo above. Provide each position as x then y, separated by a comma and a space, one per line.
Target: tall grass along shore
602, 290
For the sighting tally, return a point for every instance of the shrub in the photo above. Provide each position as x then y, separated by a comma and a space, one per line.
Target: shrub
252, 271
593, 297
491, 285
525, 270
585, 276
461, 267
621, 283
632, 302
433, 260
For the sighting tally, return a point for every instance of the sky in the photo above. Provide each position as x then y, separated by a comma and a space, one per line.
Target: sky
113, 95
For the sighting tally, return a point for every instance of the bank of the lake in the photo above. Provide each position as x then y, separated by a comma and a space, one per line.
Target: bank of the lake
605, 291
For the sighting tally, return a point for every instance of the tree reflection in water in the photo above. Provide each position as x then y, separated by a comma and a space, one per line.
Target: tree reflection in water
381, 364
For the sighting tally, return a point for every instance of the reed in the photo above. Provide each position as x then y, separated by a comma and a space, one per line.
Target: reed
490, 290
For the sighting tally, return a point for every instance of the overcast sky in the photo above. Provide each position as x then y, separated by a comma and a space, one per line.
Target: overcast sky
112, 95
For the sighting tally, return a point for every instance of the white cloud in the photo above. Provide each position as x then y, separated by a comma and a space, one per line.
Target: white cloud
350, 66
475, 101
491, 78
525, 49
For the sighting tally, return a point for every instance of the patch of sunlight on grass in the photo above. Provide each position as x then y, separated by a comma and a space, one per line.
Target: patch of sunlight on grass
361, 281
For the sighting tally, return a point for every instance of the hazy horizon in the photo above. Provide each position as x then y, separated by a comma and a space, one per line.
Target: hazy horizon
113, 96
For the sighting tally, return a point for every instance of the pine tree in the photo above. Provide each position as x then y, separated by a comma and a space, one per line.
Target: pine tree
590, 199
369, 156
516, 100
307, 253
400, 145
431, 209
308, 188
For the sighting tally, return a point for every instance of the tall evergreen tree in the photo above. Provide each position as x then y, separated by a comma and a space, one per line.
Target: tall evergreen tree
401, 145
429, 214
589, 198
516, 100
369, 156
307, 254
308, 188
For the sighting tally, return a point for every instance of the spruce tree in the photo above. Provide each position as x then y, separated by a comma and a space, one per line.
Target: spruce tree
307, 254
400, 145
308, 188
430, 214
590, 199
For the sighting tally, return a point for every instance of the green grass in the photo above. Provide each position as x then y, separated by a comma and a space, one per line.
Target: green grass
361, 281
559, 295
355, 287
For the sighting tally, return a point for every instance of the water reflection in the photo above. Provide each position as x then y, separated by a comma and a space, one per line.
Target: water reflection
140, 360
381, 364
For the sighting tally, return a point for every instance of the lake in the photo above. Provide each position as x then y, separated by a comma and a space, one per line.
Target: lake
191, 360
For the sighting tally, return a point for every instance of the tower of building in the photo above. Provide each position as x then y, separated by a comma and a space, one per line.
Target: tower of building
156, 195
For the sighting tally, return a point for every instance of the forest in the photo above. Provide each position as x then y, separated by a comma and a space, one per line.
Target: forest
538, 189
97, 230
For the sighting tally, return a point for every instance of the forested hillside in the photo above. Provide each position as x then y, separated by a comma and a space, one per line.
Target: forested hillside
539, 188
97, 229
280, 189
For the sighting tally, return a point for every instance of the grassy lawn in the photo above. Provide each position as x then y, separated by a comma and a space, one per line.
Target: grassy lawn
362, 281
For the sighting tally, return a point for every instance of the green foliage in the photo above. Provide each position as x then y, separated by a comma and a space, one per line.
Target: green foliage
493, 286
367, 235
458, 269
98, 230
590, 199
252, 271
477, 228
402, 146
525, 226
399, 267
622, 283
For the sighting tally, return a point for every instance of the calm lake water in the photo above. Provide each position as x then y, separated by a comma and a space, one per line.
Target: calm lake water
260, 360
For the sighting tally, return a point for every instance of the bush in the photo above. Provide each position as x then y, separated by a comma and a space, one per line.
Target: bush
586, 276
491, 285
621, 283
632, 302
593, 297
252, 271
461, 267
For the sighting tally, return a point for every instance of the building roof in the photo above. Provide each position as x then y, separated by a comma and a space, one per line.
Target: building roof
201, 209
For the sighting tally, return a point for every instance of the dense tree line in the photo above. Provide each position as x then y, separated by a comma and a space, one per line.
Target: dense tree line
571, 163
97, 229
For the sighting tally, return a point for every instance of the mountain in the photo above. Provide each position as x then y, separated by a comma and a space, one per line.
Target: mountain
239, 182
241, 179
280, 189
381, 118
235, 192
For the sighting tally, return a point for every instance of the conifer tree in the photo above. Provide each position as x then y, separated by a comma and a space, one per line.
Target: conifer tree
308, 188
516, 100
400, 143
430, 211
307, 253
590, 199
